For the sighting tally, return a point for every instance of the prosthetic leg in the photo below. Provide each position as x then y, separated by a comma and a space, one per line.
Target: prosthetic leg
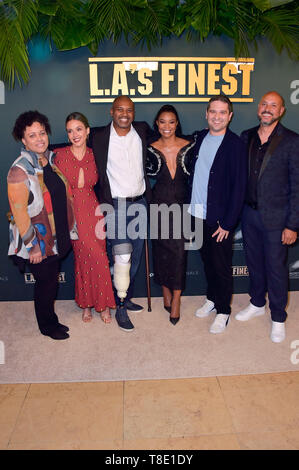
121, 280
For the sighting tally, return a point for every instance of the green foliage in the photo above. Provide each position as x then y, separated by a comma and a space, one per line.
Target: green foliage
109, 19
245, 22
199, 16
267, 4
63, 22
69, 24
150, 25
281, 30
18, 22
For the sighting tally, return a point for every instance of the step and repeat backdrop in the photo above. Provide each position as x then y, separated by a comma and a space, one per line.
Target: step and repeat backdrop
185, 74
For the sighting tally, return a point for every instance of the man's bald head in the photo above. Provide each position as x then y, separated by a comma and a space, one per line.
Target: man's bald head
122, 99
270, 108
123, 113
274, 95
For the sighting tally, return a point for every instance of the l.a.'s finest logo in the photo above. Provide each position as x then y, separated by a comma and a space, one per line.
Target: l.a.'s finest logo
29, 278
240, 271
184, 79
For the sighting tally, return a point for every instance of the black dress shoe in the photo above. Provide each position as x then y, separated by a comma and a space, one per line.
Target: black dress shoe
63, 327
174, 320
57, 334
168, 309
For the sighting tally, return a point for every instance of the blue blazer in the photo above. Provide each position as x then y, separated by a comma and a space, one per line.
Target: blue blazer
227, 180
278, 183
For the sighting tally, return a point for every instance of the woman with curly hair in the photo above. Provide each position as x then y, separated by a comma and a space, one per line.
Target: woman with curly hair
42, 220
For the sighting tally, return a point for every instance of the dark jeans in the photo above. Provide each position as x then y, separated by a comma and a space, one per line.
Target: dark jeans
45, 290
217, 261
266, 259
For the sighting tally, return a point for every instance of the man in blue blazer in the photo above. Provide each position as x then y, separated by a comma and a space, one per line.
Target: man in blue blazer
120, 153
270, 219
218, 190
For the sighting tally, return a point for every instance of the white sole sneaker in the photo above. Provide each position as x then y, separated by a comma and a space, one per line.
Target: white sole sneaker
278, 332
219, 324
205, 310
250, 312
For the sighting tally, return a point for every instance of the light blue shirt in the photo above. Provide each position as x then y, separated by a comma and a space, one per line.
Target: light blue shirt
206, 156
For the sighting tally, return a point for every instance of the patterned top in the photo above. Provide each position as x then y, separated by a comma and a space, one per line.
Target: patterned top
155, 158
32, 219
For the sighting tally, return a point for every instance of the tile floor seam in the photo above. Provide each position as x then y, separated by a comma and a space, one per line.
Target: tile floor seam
244, 433
238, 433
235, 432
17, 417
186, 436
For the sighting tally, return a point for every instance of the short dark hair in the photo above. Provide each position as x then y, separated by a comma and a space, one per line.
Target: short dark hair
168, 108
27, 119
77, 117
119, 97
222, 98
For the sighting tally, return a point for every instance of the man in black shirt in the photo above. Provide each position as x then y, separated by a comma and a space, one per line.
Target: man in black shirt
270, 219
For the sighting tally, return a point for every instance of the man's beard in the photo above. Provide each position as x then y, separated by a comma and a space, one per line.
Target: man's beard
268, 123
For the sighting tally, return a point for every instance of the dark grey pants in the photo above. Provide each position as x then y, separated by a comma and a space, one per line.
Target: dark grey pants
266, 259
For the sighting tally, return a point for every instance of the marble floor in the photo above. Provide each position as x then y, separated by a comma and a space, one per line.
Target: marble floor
238, 412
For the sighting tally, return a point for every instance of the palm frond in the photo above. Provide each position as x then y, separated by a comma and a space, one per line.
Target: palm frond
66, 28
14, 62
282, 30
51, 7
234, 20
156, 22
69, 24
26, 14
264, 5
111, 18
197, 17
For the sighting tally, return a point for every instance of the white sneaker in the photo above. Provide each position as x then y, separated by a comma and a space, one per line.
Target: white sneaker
278, 332
206, 309
250, 312
219, 324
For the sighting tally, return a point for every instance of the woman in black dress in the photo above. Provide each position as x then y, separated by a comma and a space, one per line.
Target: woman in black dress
165, 162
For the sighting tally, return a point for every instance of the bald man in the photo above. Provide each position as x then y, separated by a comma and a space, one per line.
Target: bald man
120, 154
270, 219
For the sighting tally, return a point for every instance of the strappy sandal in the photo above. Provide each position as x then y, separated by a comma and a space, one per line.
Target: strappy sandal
106, 316
87, 316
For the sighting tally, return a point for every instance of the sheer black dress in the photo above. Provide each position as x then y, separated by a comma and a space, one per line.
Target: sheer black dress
169, 254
